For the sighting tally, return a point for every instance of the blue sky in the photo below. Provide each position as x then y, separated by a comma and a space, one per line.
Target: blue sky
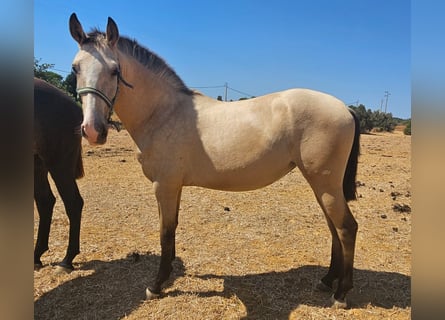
355, 50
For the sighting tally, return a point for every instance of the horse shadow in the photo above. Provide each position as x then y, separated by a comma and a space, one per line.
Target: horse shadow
112, 291
117, 288
274, 295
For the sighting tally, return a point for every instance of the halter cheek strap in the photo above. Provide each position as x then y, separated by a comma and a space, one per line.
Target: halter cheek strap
110, 103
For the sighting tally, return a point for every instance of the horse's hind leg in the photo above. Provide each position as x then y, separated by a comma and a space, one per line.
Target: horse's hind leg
335, 267
73, 202
328, 188
45, 201
343, 228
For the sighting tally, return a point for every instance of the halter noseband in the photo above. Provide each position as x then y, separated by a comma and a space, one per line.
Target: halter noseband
110, 103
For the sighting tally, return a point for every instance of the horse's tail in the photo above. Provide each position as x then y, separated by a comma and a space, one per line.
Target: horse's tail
349, 185
79, 165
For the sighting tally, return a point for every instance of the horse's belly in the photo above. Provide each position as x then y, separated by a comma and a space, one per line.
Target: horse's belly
250, 177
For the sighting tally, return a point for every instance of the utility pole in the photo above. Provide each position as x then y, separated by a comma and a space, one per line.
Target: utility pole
387, 94
354, 102
225, 94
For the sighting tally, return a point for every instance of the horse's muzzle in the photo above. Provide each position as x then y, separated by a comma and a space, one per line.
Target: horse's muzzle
93, 136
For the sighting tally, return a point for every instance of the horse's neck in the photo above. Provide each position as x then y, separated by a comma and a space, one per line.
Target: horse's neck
147, 105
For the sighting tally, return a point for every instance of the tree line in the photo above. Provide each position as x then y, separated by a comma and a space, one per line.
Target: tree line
369, 120
379, 121
43, 71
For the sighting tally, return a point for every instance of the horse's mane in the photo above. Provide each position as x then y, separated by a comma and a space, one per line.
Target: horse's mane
144, 56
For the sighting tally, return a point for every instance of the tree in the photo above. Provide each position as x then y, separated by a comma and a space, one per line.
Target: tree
364, 116
382, 121
70, 85
369, 120
41, 70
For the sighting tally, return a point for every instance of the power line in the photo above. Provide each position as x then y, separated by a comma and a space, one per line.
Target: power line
208, 87
353, 102
243, 93
60, 70
226, 87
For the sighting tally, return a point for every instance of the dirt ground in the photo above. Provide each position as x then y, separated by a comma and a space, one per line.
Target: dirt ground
249, 255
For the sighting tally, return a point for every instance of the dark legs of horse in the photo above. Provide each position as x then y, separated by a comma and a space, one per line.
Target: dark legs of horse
165, 267
168, 204
336, 265
73, 202
45, 201
343, 229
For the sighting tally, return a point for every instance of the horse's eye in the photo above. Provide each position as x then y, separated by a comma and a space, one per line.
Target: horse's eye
115, 72
74, 69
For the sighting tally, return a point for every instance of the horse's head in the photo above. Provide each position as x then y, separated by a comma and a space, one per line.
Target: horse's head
97, 70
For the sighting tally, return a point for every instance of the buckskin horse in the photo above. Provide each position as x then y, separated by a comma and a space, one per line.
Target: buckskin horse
58, 151
188, 139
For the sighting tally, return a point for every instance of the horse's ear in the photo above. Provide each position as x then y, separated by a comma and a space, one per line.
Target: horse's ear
112, 32
76, 29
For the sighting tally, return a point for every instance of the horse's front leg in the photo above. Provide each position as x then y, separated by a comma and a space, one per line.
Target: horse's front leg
168, 198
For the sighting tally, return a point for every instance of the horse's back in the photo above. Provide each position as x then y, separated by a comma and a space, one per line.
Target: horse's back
290, 114
57, 119
54, 107
297, 105
307, 105
318, 113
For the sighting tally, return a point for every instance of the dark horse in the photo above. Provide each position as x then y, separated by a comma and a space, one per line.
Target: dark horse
57, 150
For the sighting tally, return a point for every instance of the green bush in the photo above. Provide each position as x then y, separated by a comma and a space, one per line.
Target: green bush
407, 129
369, 120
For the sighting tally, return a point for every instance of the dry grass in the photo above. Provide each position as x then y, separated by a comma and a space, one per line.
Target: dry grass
259, 259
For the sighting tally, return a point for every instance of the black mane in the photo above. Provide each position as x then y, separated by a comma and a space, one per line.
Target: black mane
144, 56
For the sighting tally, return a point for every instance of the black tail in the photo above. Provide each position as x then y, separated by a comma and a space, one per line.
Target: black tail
79, 166
349, 185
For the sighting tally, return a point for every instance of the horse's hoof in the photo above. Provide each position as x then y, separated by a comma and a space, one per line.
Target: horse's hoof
321, 286
338, 304
60, 270
150, 295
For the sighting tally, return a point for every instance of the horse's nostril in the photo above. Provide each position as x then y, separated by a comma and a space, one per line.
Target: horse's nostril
102, 137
